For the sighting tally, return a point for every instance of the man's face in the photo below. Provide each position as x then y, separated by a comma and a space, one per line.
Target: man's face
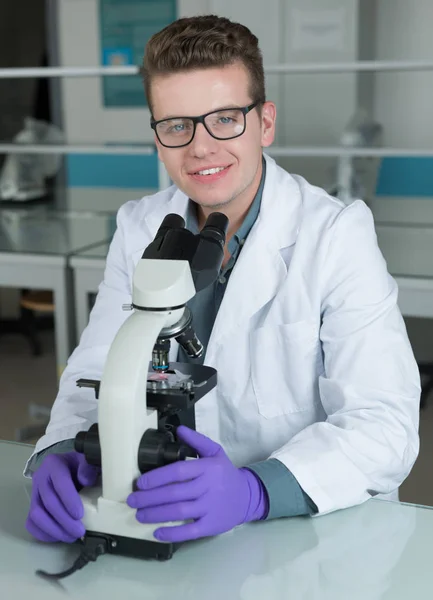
194, 93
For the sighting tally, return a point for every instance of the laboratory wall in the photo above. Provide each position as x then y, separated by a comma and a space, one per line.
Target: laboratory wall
403, 105
312, 109
97, 181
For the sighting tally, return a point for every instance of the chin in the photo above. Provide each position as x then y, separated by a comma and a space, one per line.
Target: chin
212, 202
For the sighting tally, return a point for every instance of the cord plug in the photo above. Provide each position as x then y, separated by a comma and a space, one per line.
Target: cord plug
93, 547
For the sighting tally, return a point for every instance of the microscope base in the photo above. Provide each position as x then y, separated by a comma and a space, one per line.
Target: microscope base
116, 522
144, 549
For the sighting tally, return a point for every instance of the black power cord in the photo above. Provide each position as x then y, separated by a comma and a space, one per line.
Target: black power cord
93, 547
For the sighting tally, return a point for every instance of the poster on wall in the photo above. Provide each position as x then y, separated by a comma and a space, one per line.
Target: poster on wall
318, 29
126, 26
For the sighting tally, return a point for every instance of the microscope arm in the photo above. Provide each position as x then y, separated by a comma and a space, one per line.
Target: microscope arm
123, 413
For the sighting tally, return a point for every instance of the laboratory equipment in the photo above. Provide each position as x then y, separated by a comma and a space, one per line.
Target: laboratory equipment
356, 176
141, 393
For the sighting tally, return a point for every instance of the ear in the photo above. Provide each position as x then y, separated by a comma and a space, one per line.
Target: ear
269, 116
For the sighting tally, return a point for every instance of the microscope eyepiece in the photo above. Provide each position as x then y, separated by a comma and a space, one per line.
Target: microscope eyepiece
172, 221
216, 225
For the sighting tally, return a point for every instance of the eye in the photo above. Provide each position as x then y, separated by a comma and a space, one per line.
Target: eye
176, 128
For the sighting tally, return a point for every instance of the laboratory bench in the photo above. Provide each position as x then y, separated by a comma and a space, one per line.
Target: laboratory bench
35, 246
379, 550
87, 266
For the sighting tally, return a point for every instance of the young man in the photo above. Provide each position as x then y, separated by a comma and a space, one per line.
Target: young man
316, 407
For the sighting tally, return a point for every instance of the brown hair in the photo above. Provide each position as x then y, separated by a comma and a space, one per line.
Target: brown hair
202, 42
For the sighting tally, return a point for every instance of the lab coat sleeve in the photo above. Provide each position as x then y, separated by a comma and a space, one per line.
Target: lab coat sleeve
75, 409
370, 386
285, 496
36, 460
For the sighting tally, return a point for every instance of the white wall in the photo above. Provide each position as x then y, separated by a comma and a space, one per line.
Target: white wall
367, 35
403, 104
315, 108
404, 100
312, 109
86, 120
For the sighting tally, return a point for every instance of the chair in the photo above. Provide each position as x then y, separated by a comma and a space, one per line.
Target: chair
35, 301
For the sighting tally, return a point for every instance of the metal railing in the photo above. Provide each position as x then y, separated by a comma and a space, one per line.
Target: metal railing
337, 67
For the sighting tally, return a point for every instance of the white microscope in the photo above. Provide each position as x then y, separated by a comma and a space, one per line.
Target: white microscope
141, 394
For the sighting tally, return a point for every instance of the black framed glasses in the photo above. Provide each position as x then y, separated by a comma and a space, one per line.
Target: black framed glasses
224, 124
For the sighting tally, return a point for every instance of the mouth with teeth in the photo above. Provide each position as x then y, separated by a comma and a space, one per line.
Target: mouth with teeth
208, 175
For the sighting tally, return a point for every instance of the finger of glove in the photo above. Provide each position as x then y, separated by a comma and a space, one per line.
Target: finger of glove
181, 511
37, 532
47, 524
87, 475
180, 533
55, 507
168, 494
182, 470
61, 478
205, 447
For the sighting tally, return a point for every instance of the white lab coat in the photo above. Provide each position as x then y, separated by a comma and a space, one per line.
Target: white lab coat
314, 364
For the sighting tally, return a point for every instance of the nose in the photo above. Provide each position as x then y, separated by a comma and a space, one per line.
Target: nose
203, 143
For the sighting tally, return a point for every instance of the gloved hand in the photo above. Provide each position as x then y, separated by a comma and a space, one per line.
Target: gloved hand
209, 489
56, 508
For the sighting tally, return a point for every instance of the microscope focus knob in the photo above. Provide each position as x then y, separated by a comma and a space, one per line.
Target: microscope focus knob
158, 448
87, 443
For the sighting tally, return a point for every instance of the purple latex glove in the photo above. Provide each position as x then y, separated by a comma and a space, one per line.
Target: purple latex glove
210, 490
56, 508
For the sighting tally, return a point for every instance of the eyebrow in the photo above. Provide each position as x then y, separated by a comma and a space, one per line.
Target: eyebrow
178, 116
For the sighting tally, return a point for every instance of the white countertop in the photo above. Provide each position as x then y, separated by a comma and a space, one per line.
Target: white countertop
380, 550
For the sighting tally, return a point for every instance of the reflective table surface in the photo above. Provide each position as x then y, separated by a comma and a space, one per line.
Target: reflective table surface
380, 550
52, 232
98, 251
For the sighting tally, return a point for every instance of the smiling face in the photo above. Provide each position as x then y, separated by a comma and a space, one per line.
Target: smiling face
216, 174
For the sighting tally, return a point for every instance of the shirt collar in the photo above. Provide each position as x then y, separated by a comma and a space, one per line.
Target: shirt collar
241, 234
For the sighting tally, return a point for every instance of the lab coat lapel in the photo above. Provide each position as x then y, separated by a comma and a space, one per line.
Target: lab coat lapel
177, 204
153, 215
260, 268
